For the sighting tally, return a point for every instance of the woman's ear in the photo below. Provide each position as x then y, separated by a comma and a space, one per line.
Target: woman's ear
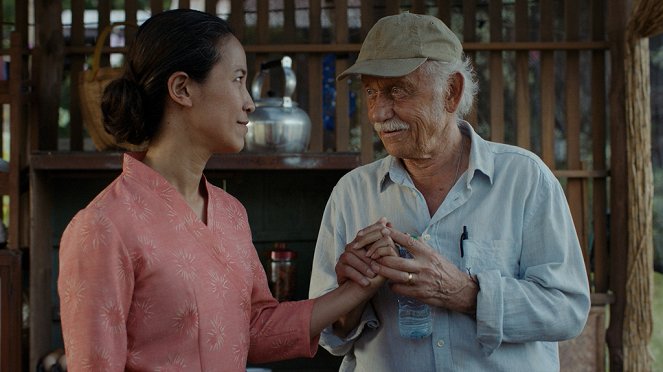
456, 85
179, 88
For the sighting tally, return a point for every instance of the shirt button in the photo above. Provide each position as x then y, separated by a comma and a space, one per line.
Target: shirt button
426, 237
440, 343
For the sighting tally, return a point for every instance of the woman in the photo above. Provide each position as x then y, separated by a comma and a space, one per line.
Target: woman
159, 271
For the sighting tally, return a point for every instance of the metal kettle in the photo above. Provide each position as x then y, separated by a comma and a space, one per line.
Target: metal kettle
277, 124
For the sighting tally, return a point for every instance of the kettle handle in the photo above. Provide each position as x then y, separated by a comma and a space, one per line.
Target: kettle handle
290, 79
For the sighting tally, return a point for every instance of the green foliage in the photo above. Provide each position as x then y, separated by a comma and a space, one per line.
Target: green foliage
658, 219
656, 345
656, 53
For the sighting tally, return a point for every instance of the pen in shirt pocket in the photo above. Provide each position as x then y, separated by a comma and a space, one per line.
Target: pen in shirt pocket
463, 236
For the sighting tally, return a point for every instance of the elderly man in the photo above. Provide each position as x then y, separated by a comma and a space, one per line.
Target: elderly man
496, 255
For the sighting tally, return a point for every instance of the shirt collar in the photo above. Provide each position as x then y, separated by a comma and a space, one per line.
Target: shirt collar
134, 167
391, 171
481, 159
481, 155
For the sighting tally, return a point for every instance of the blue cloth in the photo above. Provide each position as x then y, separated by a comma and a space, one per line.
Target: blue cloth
522, 245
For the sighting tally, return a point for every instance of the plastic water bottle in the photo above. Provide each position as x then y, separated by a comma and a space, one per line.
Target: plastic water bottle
414, 316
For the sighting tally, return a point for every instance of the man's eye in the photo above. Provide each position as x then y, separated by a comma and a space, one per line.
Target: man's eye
397, 92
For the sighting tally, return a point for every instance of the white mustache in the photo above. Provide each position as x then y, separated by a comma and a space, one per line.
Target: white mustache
390, 125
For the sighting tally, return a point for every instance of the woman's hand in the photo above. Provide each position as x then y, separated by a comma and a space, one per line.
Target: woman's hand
370, 243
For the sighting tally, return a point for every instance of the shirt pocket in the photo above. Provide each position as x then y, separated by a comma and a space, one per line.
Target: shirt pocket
488, 255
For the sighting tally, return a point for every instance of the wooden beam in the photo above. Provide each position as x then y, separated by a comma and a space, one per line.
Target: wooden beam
638, 321
547, 89
11, 309
352, 48
523, 124
573, 124
50, 42
41, 269
496, 74
616, 27
88, 161
444, 11
392, 7
342, 123
368, 19
236, 19
470, 36
77, 63
156, 6
314, 81
599, 143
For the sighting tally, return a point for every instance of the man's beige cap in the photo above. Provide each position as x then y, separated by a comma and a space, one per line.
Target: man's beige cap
398, 44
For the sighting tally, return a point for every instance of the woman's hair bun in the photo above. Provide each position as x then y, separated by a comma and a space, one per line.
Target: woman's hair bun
122, 108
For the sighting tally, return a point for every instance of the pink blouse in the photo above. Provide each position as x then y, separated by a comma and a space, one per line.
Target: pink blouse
145, 285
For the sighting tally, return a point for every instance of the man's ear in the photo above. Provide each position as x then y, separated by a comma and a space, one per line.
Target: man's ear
179, 88
456, 85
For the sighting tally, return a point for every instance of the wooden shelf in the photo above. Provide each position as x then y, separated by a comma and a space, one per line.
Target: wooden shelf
112, 161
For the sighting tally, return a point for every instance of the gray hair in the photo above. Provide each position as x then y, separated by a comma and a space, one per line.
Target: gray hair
441, 71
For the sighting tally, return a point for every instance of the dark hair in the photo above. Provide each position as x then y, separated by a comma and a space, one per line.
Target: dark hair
175, 40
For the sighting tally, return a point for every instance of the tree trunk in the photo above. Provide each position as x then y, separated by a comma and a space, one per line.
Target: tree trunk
638, 321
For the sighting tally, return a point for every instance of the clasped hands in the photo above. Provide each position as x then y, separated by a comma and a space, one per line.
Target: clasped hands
372, 257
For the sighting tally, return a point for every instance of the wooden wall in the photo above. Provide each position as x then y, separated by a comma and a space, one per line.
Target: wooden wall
541, 67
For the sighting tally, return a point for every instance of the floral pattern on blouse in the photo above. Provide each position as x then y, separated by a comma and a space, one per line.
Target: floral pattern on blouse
145, 285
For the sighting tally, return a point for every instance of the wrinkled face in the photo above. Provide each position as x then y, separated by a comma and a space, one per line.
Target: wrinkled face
408, 113
222, 102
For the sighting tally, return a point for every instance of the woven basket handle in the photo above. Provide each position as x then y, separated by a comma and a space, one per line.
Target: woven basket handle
96, 58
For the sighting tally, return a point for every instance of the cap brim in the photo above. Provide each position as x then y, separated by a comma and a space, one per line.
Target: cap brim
383, 67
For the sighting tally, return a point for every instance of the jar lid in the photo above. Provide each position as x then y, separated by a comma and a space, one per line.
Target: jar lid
282, 255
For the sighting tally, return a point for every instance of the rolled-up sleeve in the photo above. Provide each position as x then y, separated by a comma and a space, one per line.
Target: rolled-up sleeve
341, 345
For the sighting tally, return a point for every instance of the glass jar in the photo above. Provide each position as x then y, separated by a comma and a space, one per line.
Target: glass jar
282, 276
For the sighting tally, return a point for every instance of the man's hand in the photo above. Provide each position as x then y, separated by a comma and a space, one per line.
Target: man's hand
428, 277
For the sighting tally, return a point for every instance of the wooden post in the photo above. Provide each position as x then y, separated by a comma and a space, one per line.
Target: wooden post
629, 339
41, 269
342, 125
50, 50
496, 74
645, 21
367, 133
616, 26
548, 81
638, 320
523, 122
599, 147
77, 62
314, 83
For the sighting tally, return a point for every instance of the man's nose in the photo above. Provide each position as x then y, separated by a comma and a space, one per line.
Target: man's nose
381, 110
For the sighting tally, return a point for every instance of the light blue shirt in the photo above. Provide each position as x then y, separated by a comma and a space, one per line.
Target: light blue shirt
522, 246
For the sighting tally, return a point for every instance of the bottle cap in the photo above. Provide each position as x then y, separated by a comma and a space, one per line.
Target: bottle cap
282, 255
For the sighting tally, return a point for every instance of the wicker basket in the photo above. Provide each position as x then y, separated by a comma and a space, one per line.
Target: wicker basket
91, 85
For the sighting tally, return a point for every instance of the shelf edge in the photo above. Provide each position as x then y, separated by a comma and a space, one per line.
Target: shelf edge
112, 161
